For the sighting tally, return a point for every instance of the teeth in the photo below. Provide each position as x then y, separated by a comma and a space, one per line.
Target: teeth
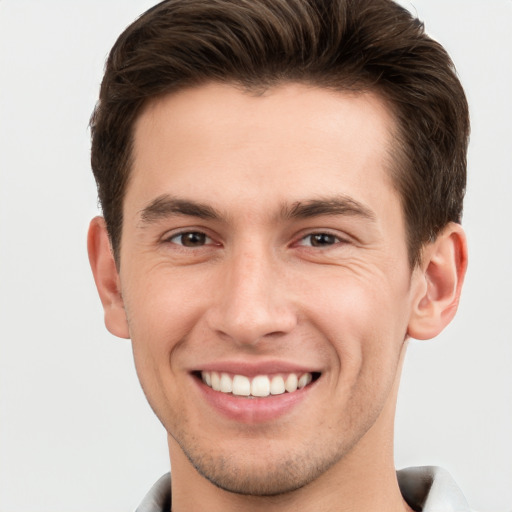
291, 383
226, 384
207, 378
241, 385
260, 386
277, 385
304, 380
215, 381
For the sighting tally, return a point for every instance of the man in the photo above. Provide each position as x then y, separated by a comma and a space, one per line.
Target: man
282, 185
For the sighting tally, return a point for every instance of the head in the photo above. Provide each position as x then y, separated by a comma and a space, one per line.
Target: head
341, 45
281, 182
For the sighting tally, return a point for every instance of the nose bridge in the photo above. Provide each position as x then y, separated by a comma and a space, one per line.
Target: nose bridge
252, 301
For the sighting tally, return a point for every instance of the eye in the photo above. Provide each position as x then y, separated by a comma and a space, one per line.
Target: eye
320, 240
190, 239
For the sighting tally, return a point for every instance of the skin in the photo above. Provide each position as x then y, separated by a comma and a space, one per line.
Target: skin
329, 290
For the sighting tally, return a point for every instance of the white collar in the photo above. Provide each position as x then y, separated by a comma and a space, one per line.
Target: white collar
431, 489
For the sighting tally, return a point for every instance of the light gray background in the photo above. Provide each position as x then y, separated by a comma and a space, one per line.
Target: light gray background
76, 434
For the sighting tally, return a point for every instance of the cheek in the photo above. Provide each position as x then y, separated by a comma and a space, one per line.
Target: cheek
161, 313
163, 303
362, 316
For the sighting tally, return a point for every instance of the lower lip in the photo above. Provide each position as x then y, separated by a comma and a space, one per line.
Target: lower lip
253, 410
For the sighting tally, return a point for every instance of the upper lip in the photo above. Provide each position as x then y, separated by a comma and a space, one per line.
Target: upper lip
252, 369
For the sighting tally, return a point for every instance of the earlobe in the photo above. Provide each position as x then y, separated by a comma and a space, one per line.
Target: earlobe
106, 277
438, 283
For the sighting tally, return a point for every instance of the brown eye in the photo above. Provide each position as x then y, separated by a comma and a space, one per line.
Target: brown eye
190, 239
321, 240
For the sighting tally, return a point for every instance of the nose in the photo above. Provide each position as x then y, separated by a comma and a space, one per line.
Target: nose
252, 302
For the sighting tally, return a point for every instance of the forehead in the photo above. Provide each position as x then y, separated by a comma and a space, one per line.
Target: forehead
274, 146
297, 109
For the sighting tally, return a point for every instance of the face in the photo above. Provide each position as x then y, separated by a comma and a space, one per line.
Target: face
264, 244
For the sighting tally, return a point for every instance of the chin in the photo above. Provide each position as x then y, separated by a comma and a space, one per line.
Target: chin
274, 482
268, 476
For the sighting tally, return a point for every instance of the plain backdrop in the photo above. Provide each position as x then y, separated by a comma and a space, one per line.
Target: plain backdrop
76, 434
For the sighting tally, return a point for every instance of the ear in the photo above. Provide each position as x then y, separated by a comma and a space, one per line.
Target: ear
106, 277
438, 280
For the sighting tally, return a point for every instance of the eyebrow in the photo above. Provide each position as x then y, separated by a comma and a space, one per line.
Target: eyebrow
337, 205
166, 206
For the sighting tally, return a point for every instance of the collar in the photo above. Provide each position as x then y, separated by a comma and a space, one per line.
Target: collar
431, 489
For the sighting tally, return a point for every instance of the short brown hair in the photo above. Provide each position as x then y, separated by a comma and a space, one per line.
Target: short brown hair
356, 45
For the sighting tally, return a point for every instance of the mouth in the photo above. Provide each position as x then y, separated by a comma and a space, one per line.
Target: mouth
259, 386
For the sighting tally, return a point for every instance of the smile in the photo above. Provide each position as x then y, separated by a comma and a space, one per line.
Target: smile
259, 386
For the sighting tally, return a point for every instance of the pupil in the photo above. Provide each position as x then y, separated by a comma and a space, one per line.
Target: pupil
322, 239
193, 239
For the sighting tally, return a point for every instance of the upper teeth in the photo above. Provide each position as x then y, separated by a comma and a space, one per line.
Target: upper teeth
261, 385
